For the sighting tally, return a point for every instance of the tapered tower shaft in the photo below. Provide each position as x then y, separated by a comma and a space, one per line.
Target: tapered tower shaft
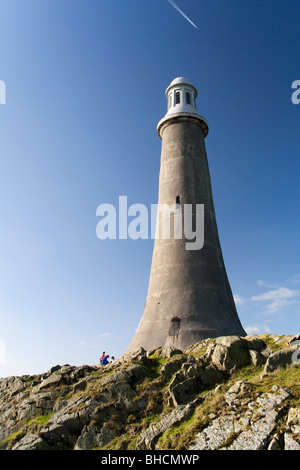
189, 296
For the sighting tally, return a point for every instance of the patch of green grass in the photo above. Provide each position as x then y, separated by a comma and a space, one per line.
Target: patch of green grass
251, 374
154, 366
38, 421
287, 377
27, 427
123, 442
179, 436
65, 397
7, 440
274, 343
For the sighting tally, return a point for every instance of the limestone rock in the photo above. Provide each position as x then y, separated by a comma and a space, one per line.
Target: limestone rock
290, 443
93, 437
249, 432
292, 434
137, 372
31, 442
149, 437
92, 407
234, 393
139, 355
228, 352
279, 359
168, 351
171, 367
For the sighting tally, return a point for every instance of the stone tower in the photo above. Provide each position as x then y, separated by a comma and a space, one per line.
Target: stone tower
189, 296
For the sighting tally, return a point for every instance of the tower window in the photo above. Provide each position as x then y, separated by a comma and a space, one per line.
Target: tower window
177, 97
174, 327
178, 200
188, 97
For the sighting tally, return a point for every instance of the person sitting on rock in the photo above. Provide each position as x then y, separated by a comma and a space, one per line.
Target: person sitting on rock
101, 357
105, 360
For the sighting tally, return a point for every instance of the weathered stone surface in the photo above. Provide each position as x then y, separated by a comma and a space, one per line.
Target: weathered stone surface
118, 392
250, 431
31, 442
148, 438
275, 444
279, 359
290, 443
185, 391
11, 386
210, 376
94, 437
257, 344
86, 407
138, 355
136, 372
118, 376
228, 352
292, 434
293, 420
88, 438
256, 357
79, 386
168, 351
234, 393
262, 423
192, 377
171, 367
215, 435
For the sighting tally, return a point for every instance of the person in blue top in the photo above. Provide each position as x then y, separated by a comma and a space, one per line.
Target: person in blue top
105, 360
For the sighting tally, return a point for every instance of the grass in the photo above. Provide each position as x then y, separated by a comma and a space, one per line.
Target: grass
276, 343
288, 377
39, 421
154, 389
9, 439
180, 436
30, 426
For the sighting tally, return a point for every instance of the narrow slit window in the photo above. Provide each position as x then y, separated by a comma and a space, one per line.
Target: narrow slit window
178, 200
188, 98
177, 97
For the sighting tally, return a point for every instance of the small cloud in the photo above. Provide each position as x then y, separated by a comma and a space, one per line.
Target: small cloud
293, 280
280, 293
103, 335
257, 329
239, 300
266, 284
277, 304
277, 298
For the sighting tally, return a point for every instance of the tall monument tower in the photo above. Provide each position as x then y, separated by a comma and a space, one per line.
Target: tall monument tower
189, 296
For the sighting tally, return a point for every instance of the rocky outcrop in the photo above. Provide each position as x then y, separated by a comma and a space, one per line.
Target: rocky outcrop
148, 438
228, 393
228, 352
251, 430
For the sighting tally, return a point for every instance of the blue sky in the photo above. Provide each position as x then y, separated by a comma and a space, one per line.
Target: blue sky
85, 83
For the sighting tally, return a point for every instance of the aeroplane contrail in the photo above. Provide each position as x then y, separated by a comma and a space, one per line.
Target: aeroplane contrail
181, 12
